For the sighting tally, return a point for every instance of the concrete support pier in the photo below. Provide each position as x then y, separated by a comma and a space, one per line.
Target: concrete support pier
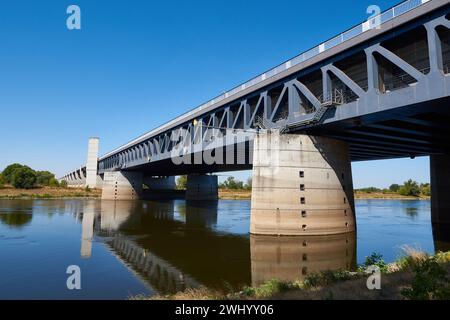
302, 185
202, 187
122, 185
440, 196
91, 163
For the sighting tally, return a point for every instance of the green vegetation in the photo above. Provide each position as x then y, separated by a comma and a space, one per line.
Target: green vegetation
23, 177
409, 188
9, 170
431, 281
416, 276
181, 183
231, 183
375, 259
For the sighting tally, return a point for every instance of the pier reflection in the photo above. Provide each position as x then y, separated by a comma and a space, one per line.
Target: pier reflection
293, 258
174, 245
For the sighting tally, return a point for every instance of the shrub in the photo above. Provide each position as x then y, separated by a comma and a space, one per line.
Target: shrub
430, 281
2, 181
375, 259
63, 184
23, 178
410, 188
53, 182
43, 178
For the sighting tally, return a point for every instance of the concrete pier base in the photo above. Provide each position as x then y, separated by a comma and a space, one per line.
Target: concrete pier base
302, 185
122, 185
440, 195
202, 187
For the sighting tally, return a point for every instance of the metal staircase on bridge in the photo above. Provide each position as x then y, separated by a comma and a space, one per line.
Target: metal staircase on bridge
335, 98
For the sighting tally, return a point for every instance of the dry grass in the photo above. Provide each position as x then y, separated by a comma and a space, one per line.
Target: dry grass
387, 195
227, 194
48, 193
338, 285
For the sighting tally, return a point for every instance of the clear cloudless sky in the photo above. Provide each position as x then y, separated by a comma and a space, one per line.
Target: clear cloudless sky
137, 64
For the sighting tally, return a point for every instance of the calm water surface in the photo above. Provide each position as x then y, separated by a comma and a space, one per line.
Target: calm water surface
147, 247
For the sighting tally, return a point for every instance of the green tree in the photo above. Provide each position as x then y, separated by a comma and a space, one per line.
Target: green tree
425, 189
43, 178
23, 178
2, 180
9, 170
410, 188
181, 182
232, 183
394, 187
248, 185
63, 184
53, 183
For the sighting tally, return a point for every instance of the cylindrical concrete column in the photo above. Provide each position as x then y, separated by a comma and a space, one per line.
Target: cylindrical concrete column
302, 185
91, 163
440, 196
201, 187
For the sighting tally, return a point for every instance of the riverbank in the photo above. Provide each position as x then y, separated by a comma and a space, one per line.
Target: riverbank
387, 195
227, 194
49, 193
416, 276
241, 194
224, 194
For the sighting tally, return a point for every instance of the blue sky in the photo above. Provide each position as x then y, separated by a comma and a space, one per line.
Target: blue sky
137, 64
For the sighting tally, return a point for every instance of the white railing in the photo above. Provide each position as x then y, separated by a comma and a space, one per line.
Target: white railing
341, 38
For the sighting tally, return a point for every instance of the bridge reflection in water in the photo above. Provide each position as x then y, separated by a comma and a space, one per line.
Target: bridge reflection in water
174, 245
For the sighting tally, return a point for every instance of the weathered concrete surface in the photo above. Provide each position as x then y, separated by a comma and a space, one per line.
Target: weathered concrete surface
202, 187
302, 185
122, 185
91, 163
440, 191
294, 258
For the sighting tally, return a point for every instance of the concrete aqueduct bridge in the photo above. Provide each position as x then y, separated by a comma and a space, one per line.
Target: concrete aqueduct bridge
380, 90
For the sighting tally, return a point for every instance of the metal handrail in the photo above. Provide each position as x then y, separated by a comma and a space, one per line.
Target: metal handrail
385, 16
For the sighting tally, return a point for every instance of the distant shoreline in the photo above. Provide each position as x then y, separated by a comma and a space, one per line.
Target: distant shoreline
10, 193
224, 194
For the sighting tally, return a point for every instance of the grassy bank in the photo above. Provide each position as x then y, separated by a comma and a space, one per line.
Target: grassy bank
387, 195
238, 194
416, 276
243, 194
48, 193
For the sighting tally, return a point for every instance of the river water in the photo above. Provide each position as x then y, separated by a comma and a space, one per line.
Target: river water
147, 247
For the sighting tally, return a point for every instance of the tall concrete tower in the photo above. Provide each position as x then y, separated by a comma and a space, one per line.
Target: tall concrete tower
91, 164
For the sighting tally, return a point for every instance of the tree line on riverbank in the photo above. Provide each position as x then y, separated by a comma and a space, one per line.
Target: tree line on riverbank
231, 183
409, 188
23, 177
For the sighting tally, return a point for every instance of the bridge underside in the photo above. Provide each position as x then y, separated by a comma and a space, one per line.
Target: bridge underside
412, 131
